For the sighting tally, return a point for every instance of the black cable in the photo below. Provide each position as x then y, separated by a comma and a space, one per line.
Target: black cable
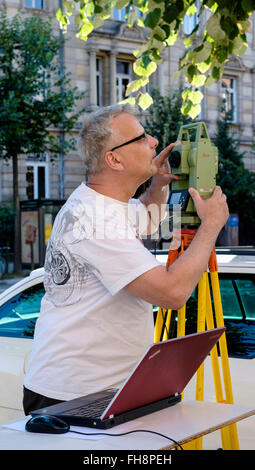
128, 432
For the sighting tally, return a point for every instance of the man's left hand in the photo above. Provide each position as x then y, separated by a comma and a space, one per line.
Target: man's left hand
164, 176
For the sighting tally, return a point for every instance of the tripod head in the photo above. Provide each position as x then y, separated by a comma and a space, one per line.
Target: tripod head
195, 161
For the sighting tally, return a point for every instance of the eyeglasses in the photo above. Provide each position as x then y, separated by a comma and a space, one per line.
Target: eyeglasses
142, 136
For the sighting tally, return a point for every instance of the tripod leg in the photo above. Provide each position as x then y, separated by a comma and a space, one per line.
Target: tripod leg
159, 325
232, 429
167, 325
200, 327
181, 321
225, 435
214, 351
162, 324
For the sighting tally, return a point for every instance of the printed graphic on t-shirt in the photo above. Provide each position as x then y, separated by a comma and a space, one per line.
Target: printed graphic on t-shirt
65, 271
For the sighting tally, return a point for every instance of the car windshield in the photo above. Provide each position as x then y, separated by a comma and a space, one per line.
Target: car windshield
19, 314
238, 304
238, 297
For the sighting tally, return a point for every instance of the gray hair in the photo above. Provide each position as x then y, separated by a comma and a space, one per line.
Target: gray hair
96, 133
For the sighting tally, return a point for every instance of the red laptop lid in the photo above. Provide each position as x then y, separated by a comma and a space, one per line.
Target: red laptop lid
164, 370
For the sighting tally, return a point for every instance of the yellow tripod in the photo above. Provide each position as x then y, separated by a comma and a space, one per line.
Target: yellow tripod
208, 283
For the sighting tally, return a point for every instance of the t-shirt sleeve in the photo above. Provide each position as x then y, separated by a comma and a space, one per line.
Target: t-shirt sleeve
114, 252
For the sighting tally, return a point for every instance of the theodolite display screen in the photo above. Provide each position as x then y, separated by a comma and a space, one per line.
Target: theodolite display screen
179, 197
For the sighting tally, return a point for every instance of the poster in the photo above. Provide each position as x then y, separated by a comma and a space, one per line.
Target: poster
30, 237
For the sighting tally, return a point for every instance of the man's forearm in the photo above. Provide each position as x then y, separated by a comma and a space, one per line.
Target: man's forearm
189, 267
155, 199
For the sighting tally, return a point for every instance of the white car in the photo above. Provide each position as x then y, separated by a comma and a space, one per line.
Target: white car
20, 307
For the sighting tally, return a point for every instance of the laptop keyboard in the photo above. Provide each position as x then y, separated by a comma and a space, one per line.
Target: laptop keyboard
91, 410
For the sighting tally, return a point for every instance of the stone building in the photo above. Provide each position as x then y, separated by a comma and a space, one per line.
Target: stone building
102, 67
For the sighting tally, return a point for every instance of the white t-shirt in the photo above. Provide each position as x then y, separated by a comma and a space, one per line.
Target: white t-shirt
91, 331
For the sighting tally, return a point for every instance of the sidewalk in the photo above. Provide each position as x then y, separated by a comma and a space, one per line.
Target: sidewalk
6, 283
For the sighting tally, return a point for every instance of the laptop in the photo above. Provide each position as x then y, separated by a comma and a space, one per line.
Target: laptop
155, 383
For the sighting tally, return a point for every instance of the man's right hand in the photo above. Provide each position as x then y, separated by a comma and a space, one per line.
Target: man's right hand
213, 211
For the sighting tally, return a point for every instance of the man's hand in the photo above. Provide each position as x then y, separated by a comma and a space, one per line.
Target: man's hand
164, 176
213, 211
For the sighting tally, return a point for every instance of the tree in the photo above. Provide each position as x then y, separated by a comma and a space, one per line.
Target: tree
165, 118
35, 95
220, 33
237, 182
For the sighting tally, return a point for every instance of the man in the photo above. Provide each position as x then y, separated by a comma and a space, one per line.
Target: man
101, 282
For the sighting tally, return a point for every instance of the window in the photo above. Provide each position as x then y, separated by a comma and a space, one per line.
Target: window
119, 14
190, 22
34, 4
19, 314
37, 177
246, 289
123, 77
228, 99
99, 68
230, 305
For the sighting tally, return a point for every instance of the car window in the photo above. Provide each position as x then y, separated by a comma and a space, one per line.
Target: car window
19, 314
246, 289
230, 305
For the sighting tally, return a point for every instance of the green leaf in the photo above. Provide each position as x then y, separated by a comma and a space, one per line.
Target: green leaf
140, 22
191, 71
203, 67
177, 75
191, 10
196, 97
229, 26
201, 53
172, 38
243, 26
86, 30
209, 81
198, 80
59, 15
171, 13
78, 21
247, 5
145, 100
216, 73
68, 7
239, 46
221, 54
144, 70
195, 110
130, 101
212, 5
185, 94
136, 85
185, 109
121, 4
131, 18
153, 18
214, 29
98, 9
159, 33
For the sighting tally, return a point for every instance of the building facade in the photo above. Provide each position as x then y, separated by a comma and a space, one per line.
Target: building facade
102, 68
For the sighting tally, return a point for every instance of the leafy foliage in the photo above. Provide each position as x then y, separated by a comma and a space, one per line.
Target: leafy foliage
237, 182
33, 94
6, 221
221, 33
165, 117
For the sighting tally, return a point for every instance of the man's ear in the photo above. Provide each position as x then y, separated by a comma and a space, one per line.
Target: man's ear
113, 161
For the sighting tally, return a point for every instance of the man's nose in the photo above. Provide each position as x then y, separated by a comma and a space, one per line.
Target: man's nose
153, 141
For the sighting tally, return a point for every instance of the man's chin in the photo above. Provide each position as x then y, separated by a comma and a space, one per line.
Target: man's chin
154, 168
